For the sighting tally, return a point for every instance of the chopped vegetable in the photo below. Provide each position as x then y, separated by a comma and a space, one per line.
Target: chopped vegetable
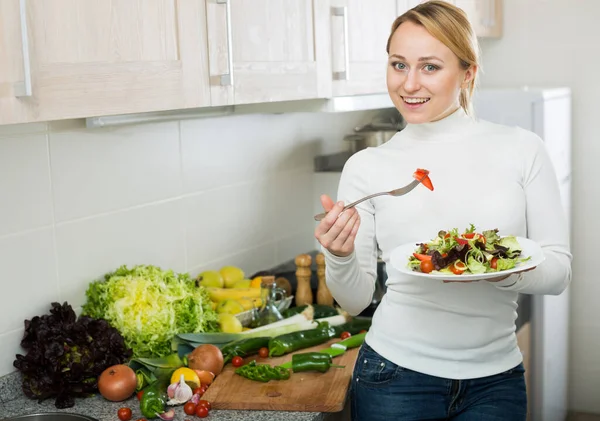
423, 176
262, 372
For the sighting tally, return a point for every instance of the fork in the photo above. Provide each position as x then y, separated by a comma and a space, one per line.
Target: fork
397, 192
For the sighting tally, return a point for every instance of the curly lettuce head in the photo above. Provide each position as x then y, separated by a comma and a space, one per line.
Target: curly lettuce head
149, 306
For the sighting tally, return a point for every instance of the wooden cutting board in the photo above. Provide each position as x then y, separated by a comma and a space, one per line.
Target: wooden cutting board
309, 392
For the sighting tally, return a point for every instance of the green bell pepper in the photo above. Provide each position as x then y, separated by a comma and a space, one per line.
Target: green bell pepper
154, 398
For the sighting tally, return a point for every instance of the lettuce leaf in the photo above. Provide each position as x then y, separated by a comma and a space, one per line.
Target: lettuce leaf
149, 306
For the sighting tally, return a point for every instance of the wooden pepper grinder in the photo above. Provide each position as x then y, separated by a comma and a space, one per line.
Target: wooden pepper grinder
304, 293
323, 294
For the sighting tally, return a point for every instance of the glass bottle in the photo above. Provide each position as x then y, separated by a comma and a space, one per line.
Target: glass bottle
270, 294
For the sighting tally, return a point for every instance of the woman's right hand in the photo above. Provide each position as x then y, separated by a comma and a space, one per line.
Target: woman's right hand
337, 231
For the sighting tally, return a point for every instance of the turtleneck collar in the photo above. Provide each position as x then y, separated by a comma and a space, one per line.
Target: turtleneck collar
450, 126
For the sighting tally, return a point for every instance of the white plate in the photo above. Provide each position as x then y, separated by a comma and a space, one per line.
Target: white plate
399, 259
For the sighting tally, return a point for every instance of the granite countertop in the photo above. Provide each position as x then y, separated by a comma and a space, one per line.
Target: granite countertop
13, 403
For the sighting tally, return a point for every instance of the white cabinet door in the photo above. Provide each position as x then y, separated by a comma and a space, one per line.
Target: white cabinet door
484, 15
359, 33
98, 57
266, 50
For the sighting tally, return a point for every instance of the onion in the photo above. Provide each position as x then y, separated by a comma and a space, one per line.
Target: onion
117, 383
206, 357
206, 377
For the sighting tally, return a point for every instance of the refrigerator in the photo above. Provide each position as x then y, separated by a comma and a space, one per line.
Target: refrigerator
547, 112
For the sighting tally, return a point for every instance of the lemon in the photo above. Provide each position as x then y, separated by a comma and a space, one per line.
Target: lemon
189, 376
230, 307
229, 323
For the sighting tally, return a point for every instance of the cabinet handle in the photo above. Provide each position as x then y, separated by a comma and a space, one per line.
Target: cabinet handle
23, 89
227, 78
343, 12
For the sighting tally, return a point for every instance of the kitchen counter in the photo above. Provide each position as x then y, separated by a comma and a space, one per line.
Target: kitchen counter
13, 402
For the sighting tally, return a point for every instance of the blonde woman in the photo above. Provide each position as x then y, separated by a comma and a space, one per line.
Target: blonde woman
437, 350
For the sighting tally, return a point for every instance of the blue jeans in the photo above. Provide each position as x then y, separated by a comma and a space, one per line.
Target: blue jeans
382, 390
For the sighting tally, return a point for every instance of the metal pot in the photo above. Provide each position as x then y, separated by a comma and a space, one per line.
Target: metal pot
368, 139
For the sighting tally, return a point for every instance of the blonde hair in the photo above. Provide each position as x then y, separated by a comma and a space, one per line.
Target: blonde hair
450, 25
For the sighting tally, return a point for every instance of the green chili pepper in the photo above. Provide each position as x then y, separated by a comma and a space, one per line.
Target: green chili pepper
312, 361
155, 397
243, 348
290, 342
262, 372
335, 350
354, 326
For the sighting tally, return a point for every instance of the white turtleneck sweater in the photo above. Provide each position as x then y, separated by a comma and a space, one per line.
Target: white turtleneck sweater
490, 175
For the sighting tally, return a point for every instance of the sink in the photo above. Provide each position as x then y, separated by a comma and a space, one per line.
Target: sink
51, 416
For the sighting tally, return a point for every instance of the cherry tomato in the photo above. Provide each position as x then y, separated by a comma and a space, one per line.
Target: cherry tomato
124, 414
139, 395
494, 263
189, 408
237, 361
141, 419
204, 403
201, 411
426, 266
363, 331
345, 335
458, 267
263, 352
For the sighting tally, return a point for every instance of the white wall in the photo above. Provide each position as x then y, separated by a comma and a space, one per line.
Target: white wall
555, 43
77, 203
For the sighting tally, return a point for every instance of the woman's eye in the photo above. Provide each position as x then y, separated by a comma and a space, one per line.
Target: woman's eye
399, 66
430, 68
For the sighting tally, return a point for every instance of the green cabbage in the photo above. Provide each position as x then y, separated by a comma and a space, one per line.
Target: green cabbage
149, 306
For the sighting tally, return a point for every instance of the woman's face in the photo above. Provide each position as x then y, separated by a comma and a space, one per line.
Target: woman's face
424, 77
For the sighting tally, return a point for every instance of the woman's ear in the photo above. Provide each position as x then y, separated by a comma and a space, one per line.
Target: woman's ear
469, 76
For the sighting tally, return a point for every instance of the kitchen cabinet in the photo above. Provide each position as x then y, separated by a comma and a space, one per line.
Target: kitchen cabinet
268, 50
484, 15
70, 58
359, 33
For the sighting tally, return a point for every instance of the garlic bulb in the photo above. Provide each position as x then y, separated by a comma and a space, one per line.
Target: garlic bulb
179, 393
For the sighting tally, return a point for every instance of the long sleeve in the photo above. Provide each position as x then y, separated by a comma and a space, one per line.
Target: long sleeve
351, 279
546, 224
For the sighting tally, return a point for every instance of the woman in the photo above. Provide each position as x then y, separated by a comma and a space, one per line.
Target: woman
436, 350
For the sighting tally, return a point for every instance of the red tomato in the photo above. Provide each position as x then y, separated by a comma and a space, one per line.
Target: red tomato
139, 395
205, 404
426, 266
189, 408
494, 263
237, 361
124, 414
345, 335
363, 331
201, 411
263, 352
458, 267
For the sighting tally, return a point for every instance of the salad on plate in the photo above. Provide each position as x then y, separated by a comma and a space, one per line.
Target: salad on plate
466, 253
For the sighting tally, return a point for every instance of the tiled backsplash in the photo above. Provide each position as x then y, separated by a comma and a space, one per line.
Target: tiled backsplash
186, 195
